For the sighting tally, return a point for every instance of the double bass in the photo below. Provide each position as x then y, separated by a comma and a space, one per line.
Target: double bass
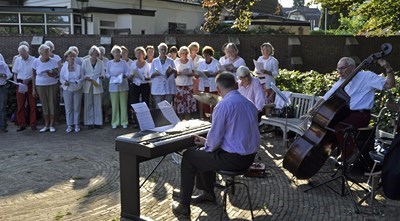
308, 153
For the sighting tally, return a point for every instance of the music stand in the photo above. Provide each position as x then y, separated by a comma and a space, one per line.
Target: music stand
343, 176
285, 105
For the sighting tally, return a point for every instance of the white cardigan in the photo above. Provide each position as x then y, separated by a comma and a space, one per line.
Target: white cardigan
94, 74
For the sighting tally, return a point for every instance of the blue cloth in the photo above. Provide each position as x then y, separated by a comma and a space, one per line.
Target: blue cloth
234, 126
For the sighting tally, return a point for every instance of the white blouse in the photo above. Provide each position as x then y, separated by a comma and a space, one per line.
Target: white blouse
23, 68
270, 64
160, 85
74, 78
115, 69
183, 79
213, 67
144, 72
93, 73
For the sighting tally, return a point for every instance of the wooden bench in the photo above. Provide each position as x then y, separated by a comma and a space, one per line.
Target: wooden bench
301, 104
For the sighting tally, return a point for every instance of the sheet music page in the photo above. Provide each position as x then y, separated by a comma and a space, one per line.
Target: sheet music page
229, 67
168, 112
259, 65
143, 115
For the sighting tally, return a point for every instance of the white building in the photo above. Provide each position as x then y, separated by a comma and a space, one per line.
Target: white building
101, 17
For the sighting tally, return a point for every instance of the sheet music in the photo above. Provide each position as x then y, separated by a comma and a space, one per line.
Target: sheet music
168, 112
259, 65
280, 94
116, 79
229, 67
22, 88
143, 115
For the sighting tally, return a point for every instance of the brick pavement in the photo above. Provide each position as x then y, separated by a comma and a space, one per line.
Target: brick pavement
76, 177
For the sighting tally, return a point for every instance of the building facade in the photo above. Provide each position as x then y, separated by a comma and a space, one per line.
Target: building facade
101, 17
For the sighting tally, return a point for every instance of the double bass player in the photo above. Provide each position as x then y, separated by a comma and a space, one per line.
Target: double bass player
361, 90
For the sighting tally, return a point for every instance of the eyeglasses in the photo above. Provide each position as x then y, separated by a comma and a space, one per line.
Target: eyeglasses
342, 68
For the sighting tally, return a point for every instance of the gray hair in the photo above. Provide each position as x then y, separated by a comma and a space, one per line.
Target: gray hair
162, 44
42, 48
348, 61
93, 49
50, 44
23, 48
116, 48
225, 80
24, 43
102, 50
74, 48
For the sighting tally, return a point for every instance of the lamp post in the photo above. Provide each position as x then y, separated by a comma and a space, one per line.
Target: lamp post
82, 6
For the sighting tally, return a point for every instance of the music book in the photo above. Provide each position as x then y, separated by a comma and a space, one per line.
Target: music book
229, 67
258, 65
201, 73
136, 74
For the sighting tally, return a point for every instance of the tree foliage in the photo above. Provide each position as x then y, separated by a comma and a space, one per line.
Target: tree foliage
239, 9
379, 17
298, 3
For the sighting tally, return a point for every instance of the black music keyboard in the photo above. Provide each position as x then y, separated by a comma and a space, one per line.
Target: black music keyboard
150, 144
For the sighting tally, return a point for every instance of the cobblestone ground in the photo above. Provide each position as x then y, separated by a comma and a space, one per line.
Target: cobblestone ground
76, 177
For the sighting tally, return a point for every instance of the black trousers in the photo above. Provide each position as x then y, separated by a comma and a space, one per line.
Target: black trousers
201, 165
136, 91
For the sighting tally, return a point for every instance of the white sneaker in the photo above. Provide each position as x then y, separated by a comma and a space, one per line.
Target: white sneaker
114, 127
52, 129
124, 126
77, 129
69, 129
44, 129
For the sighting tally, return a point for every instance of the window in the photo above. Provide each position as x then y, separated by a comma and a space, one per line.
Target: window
104, 31
77, 19
57, 19
176, 28
33, 29
31, 18
9, 29
58, 29
8, 18
110, 24
77, 30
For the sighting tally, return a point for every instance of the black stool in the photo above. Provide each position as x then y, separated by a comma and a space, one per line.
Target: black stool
230, 182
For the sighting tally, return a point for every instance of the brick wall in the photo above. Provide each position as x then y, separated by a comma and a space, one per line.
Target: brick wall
319, 53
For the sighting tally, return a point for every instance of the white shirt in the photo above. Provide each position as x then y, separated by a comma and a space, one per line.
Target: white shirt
361, 89
23, 68
4, 70
144, 72
93, 73
42, 78
74, 78
2, 58
270, 64
160, 85
196, 60
183, 79
212, 67
115, 69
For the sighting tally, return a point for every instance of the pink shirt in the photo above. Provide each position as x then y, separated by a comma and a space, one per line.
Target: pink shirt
253, 92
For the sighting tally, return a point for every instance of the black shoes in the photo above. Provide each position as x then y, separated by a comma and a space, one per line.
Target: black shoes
180, 209
204, 198
21, 129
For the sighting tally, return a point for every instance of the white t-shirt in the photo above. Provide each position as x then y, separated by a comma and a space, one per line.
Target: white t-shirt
143, 71
160, 85
195, 61
23, 68
212, 67
270, 64
42, 78
361, 89
184, 80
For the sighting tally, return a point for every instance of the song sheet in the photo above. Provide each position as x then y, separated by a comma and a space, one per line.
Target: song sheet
22, 88
168, 112
143, 115
200, 73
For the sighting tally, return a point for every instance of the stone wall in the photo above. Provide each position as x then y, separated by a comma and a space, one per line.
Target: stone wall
294, 52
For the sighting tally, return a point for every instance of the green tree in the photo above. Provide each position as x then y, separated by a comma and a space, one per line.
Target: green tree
239, 9
381, 17
298, 3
